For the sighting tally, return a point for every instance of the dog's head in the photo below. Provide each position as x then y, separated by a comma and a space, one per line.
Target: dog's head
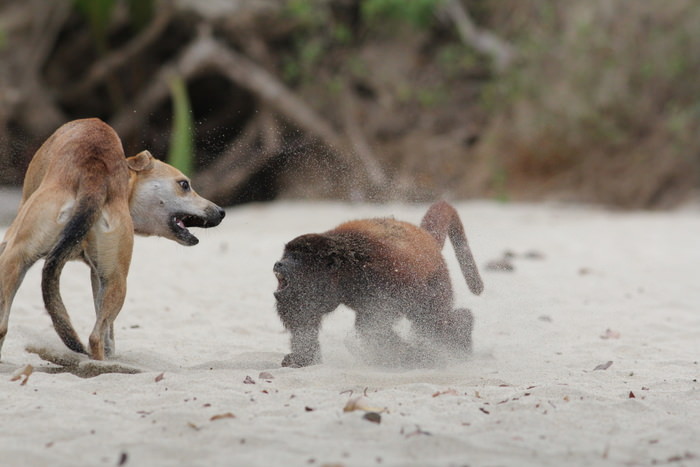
162, 201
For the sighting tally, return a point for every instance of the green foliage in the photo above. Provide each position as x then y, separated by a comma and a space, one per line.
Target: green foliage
335, 85
307, 55
418, 13
456, 58
499, 182
181, 153
357, 67
432, 96
307, 12
586, 96
140, 12
98, 14
310, 40
342, 34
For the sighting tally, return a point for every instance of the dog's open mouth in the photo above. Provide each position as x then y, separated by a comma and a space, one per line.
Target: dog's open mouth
179, 224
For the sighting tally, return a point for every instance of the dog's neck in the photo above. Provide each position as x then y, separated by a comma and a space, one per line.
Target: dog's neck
139, 216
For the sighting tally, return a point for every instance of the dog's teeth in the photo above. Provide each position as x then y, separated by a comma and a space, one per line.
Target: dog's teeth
180, 223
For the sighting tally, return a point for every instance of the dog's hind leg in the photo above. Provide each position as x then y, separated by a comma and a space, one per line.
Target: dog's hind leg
101, 338
26, 240
98, 296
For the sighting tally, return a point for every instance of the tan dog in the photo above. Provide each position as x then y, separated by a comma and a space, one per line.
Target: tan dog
83, 200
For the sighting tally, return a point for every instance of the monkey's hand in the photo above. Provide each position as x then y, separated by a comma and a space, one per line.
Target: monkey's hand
297, 360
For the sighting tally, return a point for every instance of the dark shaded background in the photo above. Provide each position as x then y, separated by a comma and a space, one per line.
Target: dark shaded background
577, 100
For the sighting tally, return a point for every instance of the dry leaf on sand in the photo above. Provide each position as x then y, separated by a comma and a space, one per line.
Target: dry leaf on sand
450, 392
610, 334
24, 371
222, 416
359, 403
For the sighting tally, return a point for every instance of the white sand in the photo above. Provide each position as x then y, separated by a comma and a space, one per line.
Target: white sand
204, 317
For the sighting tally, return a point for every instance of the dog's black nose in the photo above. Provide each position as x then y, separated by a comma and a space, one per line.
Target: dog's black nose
222, 213
278, 267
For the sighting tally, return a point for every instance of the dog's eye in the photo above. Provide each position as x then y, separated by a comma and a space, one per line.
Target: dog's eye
185, 185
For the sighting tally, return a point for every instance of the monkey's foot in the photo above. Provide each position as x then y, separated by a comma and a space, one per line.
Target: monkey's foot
296, 360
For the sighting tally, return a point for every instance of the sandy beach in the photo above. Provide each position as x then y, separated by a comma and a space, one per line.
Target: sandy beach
586, 353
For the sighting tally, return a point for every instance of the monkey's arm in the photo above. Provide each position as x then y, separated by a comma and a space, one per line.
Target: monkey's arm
306, 349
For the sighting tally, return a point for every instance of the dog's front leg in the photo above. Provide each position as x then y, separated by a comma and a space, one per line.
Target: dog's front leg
13, 267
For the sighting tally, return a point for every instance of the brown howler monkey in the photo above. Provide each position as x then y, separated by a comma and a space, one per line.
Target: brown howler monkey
382, 269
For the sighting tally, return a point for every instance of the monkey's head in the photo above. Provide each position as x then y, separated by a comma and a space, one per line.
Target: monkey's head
308, 275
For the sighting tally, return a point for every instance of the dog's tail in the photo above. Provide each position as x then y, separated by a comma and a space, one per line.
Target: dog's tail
85, 214
441, 221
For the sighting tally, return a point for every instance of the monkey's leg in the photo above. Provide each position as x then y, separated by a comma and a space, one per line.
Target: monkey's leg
306, 349
452, 329
385, 346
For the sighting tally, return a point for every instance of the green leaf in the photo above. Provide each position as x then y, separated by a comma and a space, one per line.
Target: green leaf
140, 12
181, 153
98, 14
419, 13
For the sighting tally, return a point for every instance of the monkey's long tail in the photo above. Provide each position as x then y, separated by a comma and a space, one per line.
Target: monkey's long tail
441, 221
85, 214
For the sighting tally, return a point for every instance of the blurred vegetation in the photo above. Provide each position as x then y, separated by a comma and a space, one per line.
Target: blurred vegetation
418, 13
98, 14
181, 150
601, 102
605, 92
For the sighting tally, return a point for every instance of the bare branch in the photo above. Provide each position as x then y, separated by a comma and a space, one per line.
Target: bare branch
360, 144
238, 162
483, 41
103, 68
207, 53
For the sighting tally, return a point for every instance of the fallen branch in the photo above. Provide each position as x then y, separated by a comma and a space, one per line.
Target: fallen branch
108, 65
206, 53
359, 142
46, 28
190, 62
238, 162
483, 41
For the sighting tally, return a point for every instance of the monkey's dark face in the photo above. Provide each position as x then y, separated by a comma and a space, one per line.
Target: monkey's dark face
284, 270
307, 272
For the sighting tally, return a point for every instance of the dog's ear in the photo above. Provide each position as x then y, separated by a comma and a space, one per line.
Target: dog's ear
141, 161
